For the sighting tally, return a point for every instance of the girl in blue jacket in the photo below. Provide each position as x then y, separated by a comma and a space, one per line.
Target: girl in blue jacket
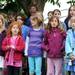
70, 47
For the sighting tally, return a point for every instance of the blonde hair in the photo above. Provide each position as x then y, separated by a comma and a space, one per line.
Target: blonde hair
2, 18
3, 21
40, 16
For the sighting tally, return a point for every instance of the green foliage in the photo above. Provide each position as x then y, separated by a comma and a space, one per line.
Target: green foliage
2, 0
54, 2
10, 6
71, 2
17, 5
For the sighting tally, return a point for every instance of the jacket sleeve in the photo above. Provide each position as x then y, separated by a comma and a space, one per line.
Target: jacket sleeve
68, 48
4, 44
45, 42
20, 45
64, 39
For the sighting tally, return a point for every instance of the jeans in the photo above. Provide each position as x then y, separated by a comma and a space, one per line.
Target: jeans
35, 64
54, 66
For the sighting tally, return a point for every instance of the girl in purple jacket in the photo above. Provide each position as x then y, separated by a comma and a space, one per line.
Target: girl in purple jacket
54, 45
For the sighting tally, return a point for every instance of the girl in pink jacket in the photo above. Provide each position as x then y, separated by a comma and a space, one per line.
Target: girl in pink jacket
13, 45
54, 46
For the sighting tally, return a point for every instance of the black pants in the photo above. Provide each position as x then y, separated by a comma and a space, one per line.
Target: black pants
25, 67
13, 70
44, 66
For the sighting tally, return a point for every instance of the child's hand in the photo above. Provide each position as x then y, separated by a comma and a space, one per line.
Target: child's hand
12, 46
7, 47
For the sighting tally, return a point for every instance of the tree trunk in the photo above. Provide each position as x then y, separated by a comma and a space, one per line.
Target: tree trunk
25, 4
40, 4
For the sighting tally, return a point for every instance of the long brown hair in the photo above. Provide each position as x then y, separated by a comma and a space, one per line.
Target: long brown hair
2, 18
69, 16
10, 27
49, 22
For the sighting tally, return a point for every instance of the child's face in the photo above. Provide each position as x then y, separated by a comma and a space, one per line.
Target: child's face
33, 9
34, 23
54, 22
73, 23
49, 15
15, 30
72, 11
1, 23
57, 14
11, 18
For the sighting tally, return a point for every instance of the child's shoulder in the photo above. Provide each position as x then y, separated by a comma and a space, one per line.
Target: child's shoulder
25, 27
46, 32
30, 28
19, 36
69, 31
42, 30
61, 31
7, 37
4, 31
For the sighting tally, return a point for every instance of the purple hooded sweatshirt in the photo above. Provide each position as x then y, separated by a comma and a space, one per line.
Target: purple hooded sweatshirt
54, 43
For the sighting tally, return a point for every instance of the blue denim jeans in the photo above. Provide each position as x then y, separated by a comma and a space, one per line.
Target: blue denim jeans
35, 64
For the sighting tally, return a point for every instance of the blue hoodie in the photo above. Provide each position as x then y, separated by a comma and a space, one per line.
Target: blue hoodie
70, 42
25, 30
70, 49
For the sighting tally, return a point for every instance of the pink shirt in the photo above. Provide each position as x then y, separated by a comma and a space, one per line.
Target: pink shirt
11, 61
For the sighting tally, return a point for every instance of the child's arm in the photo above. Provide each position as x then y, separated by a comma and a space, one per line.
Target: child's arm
63, 43
45, 42
68, 48
5, 46
20, 45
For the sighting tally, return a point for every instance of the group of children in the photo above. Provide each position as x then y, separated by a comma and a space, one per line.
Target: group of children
56, 38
